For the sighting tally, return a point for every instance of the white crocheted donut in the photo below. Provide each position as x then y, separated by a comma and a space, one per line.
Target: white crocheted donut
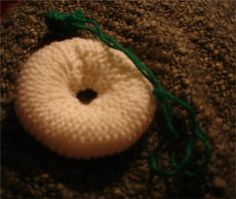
48, 106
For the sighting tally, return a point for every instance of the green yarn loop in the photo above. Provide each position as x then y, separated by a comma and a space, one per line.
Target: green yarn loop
57, 21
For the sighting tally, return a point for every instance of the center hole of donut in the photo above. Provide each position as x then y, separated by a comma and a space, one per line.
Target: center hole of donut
86, 96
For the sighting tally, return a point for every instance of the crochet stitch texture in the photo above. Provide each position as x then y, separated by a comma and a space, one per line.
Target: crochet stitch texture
48, 108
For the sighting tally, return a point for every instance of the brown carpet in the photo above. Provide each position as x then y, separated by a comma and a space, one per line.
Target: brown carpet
191, 47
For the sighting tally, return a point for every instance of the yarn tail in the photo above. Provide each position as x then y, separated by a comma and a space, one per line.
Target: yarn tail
59, 22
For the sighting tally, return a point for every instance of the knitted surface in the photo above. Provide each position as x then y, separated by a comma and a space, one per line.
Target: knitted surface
49, 109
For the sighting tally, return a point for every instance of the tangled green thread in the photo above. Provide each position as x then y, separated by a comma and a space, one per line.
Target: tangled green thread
57, 21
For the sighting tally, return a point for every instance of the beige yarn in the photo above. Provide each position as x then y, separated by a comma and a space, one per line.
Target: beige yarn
48, 108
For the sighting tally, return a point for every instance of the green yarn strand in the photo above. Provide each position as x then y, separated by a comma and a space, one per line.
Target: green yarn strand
58, 22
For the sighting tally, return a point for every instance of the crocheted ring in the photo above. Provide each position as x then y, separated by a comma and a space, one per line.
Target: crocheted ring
83, 99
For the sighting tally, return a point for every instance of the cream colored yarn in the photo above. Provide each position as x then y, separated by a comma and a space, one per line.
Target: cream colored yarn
48, 108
